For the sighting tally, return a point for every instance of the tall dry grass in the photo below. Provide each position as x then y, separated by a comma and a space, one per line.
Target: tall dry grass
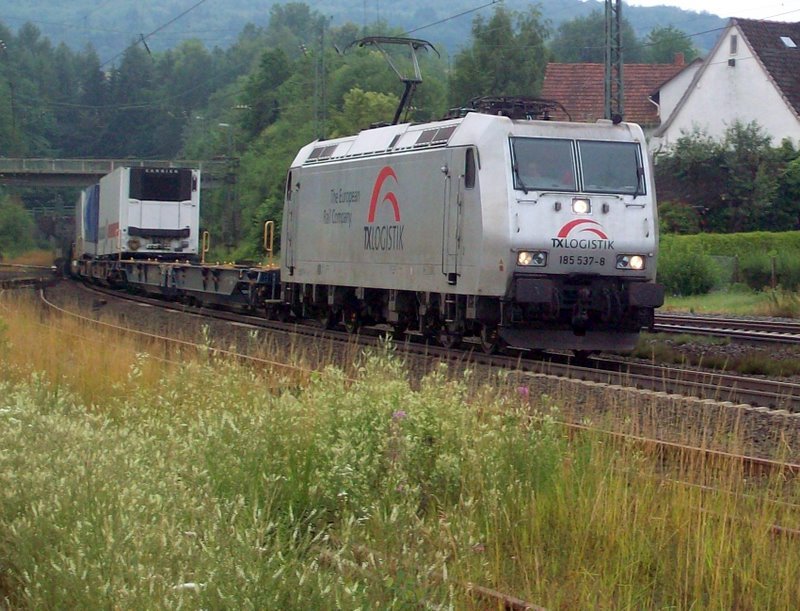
34, 257
205, 484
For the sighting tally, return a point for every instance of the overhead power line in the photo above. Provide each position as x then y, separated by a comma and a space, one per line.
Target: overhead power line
461, 14
144, 37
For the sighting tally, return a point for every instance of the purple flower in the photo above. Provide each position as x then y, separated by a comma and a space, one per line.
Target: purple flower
399, 415
523, 391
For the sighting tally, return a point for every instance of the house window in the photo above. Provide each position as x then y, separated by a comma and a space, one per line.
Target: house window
786, 40
734, 43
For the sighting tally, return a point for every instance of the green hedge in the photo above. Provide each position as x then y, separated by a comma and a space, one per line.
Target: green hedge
687, 263
733, 244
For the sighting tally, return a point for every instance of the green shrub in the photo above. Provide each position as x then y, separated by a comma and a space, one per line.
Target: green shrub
683, 271
747, 258
755, 270
678, 217
789, 271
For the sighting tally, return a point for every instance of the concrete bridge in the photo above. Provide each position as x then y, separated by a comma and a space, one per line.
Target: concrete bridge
84, 172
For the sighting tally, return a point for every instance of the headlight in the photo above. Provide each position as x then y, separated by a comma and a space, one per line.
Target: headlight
531, 258
581, 205
634, 262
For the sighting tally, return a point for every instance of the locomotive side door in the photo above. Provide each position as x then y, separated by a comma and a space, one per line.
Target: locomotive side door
289, 231
453, 214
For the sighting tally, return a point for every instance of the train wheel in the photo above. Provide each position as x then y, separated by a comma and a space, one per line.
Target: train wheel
271, 312
449, 338
398, 331
582, 356
351, 320
328, 318
490, 340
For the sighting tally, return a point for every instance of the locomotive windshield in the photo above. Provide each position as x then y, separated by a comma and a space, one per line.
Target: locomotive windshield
611, 167
543, 164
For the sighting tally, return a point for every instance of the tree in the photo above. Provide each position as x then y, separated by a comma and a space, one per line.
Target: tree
583, 40
786, 213
261, 91
32, 82
367, 69
16, 229
133, 122
663, 44
752, 176
361, 109
507, 57
293, 25
732, 183
92, 114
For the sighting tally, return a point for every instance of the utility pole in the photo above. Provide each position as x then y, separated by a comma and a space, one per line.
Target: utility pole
320, 86
322, 79
10, 82
614, 90
230, 216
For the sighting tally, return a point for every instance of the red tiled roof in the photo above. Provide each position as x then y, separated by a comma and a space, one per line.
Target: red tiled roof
579, 88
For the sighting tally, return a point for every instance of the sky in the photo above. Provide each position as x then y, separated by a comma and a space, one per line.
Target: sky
773, 10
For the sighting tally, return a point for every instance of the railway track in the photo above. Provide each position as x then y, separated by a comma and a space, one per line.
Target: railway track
750, 330
15, 276
765, 413
600, 369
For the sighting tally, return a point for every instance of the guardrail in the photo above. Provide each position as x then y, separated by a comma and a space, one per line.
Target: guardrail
100, 167
83, 172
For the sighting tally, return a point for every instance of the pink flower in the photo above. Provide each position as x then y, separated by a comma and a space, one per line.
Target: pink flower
523, 391
399, 415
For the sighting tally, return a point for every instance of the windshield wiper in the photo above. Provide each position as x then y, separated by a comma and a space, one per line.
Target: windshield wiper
519, 179
639, 178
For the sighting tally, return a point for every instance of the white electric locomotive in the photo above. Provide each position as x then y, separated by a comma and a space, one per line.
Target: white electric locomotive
530, 233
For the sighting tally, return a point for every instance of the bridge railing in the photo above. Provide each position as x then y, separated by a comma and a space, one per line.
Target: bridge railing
100, 166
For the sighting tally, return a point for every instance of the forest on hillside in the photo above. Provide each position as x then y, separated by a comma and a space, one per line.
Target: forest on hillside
111, 25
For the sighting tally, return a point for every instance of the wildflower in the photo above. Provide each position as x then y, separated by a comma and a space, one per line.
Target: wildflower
191, 586
523, 391
399, 415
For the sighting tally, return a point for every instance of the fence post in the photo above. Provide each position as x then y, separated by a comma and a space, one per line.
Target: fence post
773, 279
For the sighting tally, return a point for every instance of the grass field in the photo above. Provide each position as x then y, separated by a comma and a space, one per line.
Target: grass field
136, 477
738, 303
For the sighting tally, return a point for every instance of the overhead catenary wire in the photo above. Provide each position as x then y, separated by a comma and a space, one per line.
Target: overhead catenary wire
144, 37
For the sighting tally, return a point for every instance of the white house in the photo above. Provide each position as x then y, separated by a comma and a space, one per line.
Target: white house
752, 74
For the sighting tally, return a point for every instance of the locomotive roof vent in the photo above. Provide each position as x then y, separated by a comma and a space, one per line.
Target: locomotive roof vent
322, 152
435, 136
513, 107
